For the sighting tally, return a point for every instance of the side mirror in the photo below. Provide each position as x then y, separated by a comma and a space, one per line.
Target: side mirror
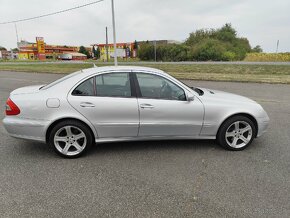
190, 97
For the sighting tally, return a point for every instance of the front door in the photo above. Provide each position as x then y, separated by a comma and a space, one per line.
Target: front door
164, 109
106, 100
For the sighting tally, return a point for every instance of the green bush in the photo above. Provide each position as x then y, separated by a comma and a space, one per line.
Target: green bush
221, 44
209, 50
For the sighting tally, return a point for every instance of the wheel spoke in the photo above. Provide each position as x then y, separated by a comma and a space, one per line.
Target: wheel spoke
66, 148
230, 134
246, 129
77, 146
60, 139
245, 140
68, 131
79, 136
237, 125
235, 141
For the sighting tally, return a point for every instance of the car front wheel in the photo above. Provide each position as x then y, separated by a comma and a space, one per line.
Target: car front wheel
236, 133
70, 139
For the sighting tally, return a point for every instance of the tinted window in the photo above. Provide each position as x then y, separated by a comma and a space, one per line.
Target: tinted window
113, 85
85, 89
152, 86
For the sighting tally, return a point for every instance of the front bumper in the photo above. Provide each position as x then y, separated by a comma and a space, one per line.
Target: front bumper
263, 124
26, 128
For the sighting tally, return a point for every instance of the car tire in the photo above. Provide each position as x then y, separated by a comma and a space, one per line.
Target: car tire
70, 139
236, 133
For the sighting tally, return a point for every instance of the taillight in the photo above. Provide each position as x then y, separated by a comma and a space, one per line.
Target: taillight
11, 108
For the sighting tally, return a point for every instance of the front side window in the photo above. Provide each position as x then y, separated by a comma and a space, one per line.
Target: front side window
113, 85
157, 87
85, 89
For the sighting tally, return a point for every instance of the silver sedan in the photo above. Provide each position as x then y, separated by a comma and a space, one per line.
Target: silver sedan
108, 104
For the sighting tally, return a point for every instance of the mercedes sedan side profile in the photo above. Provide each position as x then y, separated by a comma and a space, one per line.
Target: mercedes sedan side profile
107, 104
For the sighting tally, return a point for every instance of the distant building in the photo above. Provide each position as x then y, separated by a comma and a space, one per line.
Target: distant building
124, 50
127, 50
8, 55
160, 42
41, 50
72, 56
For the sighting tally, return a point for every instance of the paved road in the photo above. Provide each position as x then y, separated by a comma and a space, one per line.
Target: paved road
151, 179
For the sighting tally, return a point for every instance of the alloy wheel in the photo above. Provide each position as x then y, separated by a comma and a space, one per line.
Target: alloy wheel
239, 134
70, 140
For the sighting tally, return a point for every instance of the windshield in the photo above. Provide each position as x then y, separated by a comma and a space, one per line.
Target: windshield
59, 80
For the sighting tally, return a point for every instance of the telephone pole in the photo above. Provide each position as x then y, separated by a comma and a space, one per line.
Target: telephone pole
277, 48
107, 47
16, 34
114, 33
155, 51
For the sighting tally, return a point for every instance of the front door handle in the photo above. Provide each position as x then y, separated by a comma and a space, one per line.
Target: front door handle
87, 104
143, 106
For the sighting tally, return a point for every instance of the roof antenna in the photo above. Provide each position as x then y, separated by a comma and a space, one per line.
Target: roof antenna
94, 65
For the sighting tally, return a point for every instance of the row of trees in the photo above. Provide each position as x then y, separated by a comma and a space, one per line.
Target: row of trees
221, 44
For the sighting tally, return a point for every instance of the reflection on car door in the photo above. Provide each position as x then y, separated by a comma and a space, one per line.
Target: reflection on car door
114, 109
164, 110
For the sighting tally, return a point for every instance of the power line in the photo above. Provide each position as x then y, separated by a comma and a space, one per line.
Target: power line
50, 14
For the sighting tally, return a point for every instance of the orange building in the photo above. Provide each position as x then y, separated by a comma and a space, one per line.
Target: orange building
40, 50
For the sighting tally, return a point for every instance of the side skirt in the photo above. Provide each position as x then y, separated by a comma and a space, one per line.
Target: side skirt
152, 138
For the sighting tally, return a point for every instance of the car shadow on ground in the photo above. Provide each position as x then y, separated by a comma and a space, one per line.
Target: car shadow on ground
28, 148
156, 146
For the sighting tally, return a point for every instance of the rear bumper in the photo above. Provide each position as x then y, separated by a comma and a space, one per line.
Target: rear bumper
263, 124
26, 128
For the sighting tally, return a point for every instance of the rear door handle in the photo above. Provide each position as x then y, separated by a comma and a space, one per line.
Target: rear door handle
87, 104
143, 106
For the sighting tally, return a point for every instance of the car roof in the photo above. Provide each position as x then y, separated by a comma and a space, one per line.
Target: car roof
115, 69
85, 73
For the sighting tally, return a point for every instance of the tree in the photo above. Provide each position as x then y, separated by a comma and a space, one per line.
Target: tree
96, 52
198, 36
209, 50
3, 48
135, 45
83, 50
146, 52
220, 44
226, 34
257, 49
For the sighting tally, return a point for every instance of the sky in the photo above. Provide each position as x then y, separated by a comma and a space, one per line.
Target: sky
263, 22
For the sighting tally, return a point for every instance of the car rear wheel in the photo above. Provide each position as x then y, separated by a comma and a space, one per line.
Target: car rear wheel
70, 139
236, 133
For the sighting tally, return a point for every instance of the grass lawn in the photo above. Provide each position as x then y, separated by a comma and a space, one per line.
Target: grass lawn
214, 72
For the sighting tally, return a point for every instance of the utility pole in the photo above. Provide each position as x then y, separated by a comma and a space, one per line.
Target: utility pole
114, 34
107, 47
16, 34
277, 48
155, 51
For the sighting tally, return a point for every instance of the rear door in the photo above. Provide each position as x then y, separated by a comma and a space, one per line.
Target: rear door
164, 109
109, 102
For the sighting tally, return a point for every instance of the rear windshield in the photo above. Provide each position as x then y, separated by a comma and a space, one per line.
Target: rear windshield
59, 80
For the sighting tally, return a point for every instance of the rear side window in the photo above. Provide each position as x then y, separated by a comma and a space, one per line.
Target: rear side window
85, 89
113, 85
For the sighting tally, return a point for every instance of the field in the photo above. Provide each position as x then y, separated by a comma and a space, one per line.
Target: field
265, 57
212, 72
